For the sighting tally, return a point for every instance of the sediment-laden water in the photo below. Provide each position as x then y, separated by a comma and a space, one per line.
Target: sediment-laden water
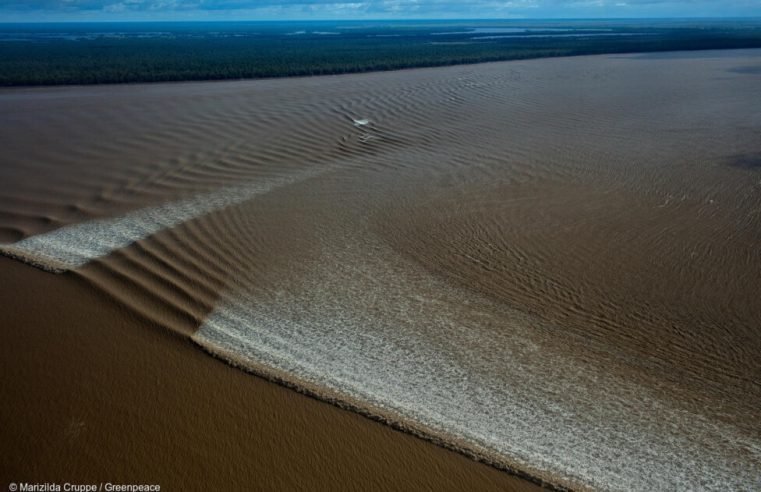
551, 264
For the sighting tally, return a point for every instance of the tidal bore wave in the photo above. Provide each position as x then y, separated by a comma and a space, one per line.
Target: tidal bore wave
551, 266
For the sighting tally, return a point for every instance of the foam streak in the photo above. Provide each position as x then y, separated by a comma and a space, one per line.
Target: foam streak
73, 246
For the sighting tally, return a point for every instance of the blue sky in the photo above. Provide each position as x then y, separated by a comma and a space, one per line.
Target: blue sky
115, 10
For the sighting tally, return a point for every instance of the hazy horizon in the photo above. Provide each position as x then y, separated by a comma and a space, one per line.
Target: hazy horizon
421, 19
391, 10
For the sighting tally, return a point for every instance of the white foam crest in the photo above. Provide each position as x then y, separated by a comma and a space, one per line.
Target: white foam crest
72, 246
391, 343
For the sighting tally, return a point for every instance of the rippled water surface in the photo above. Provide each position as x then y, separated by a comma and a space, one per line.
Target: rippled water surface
553, 264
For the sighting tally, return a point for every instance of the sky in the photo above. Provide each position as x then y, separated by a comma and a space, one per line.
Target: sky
121, 10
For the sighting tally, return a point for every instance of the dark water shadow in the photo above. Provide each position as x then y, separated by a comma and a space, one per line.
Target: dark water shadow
693, 54
745, 161
746, 69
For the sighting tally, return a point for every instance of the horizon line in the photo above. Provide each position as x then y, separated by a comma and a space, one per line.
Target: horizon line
411, 19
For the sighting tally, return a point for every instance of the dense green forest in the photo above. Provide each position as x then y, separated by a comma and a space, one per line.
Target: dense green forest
51, 54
